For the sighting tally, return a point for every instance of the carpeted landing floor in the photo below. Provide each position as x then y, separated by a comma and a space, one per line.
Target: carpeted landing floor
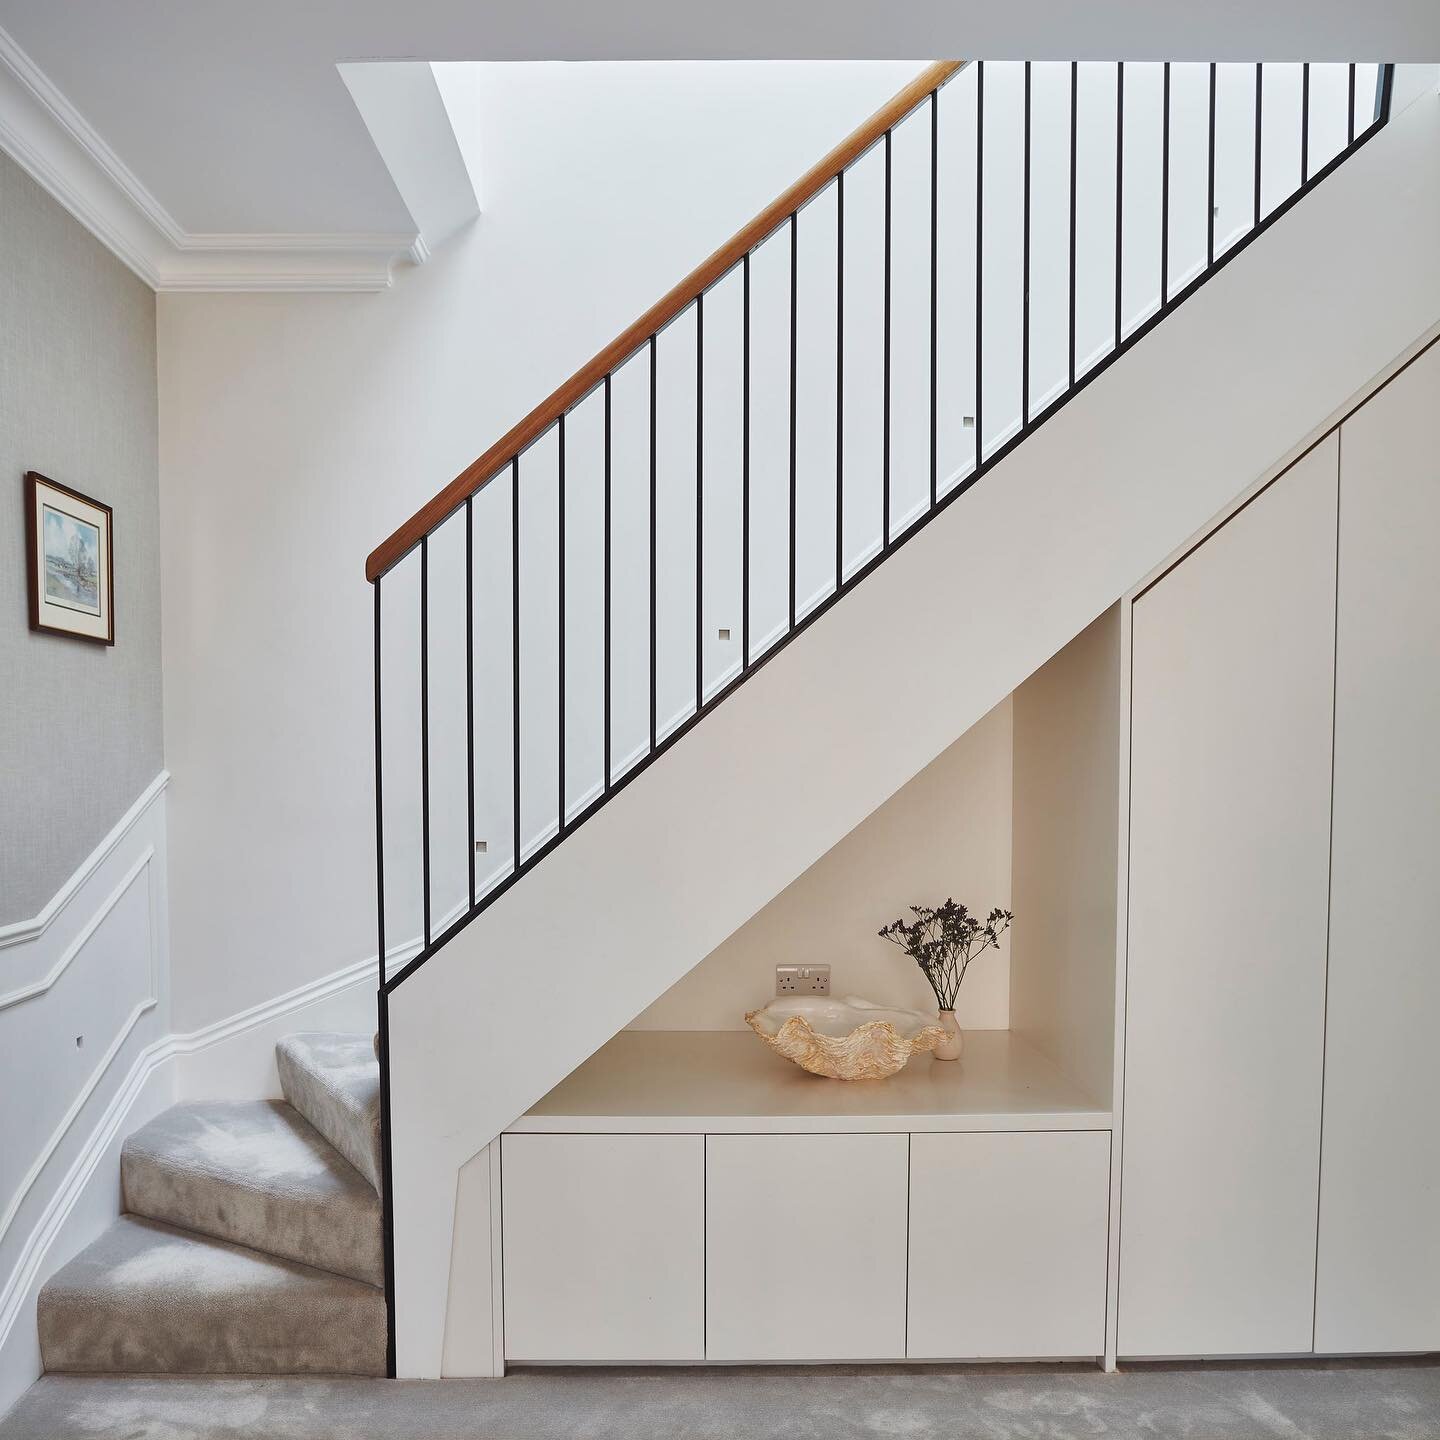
1336, 1401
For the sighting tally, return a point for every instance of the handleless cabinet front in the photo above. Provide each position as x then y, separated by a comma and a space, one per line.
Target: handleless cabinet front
805, 1246
603, 1247
1231, 714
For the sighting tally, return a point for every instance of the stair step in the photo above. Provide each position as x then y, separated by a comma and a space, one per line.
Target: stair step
256, 1173
148, 1298
334, 1082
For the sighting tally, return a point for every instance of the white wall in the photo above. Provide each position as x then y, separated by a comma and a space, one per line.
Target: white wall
947, 832
298, 430
1066, 856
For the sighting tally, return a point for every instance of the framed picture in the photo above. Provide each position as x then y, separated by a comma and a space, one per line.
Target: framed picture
67, 549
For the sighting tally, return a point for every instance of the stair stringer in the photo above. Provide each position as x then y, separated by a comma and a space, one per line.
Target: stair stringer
1266, 351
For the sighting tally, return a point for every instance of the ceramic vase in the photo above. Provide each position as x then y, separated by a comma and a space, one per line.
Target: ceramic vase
950, 1047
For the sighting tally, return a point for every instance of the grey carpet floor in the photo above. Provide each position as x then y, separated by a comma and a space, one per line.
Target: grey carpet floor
1336, 1401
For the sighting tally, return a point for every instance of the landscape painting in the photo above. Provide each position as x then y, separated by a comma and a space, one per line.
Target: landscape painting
72, 561
68, 544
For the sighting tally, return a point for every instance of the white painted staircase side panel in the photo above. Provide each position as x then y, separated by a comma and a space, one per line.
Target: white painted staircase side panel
814, 742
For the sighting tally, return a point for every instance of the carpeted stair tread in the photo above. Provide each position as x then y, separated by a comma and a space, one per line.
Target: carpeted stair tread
334, 1082
258, 1174
146, 1298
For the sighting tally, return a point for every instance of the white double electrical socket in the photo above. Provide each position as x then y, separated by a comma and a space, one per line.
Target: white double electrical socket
802, 979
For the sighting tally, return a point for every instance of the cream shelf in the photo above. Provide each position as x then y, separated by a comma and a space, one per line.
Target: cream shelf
719, 1082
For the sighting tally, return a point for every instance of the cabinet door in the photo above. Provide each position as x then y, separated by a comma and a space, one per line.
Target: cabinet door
805, 1247
603, 1246
1231, 711
1379, 1254
1008, 1237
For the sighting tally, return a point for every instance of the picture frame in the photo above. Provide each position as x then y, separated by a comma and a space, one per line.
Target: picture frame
69, 561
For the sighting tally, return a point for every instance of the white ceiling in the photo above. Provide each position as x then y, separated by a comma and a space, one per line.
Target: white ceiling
232, 115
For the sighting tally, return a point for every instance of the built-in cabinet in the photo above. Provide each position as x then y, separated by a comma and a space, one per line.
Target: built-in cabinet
804, 1247
955, 1211
1281, 1157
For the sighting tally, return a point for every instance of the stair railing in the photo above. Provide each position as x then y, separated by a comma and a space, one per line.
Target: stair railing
980, 250
1002, 112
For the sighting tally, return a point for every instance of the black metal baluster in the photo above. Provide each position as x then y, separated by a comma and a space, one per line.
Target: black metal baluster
1259, 133
1025, 263
1119, 198
560, 641
470, 686
1304, 124
885, 369
654, 491
606, 745
934, 294
515, 642
1350, 108
745, 471
699, 501
1210, 182
1074, 172
425, 735
379, 801
1165, 195
839, 379
794, 368
979, 250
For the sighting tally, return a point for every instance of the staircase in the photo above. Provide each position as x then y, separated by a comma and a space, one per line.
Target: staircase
251, 1238
738, 579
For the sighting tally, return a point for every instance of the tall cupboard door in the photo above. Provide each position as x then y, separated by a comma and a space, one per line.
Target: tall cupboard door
1231, 716
1379, 1254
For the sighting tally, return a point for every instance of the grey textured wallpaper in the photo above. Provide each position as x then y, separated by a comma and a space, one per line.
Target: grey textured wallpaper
80, 724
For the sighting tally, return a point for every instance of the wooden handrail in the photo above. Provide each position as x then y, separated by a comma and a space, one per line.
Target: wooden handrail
475, 476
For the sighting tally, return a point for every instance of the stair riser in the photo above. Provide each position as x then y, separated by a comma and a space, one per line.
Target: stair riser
333, 1081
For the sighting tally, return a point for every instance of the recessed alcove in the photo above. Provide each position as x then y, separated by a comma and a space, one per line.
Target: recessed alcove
1022, 812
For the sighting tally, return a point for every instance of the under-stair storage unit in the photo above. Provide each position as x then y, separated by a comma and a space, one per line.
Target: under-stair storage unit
953, 1211
1378, 1287
1231, 705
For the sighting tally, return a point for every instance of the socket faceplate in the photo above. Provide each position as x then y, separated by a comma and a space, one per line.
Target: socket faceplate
802, 979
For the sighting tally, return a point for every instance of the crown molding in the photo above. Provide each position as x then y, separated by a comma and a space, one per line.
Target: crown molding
64, 154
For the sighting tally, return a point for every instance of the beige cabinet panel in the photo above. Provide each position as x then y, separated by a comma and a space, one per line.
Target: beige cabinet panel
603, 1247
1379, 1254
805, 1247
1232, 693
1008, 1237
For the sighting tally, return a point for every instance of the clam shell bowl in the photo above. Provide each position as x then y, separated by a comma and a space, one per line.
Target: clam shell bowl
847, 1039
